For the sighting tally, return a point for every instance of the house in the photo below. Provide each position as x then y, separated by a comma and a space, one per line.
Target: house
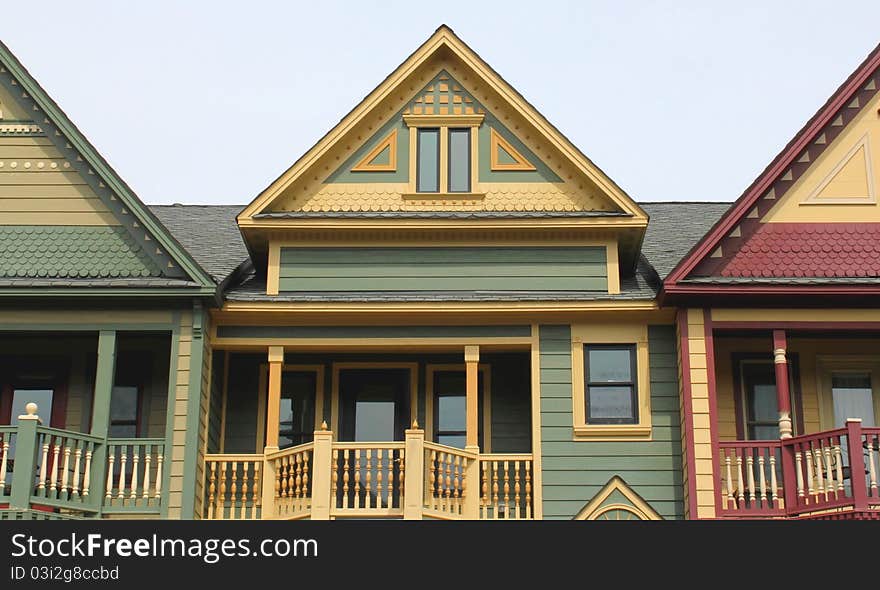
442, 310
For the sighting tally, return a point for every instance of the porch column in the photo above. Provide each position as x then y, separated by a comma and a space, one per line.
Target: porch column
104, 377
472, 366
783, 396
273, 405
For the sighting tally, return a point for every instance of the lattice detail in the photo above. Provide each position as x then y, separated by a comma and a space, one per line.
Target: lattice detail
443, 96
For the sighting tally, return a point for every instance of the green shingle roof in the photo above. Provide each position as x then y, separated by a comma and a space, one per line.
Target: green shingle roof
72, 252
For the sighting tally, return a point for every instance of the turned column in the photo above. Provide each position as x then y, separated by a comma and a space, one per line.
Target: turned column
783, 390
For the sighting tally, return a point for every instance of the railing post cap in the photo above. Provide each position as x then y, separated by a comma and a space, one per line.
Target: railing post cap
31, 409
848, 420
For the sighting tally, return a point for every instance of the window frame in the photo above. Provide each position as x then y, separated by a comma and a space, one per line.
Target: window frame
469, 153
613, 334
485, 401
439, 131
738, 359
633, 383
444, 123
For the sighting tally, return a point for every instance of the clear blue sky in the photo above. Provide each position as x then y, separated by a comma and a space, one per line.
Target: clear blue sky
208, 102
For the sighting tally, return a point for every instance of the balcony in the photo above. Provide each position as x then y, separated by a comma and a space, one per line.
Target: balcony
826, 475
412, 479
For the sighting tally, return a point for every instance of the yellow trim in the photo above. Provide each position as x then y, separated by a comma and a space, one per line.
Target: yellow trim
814, 199
443, 38
495, 142
273, 271
486, 370
796, 315
539, 223
261, 400
828, 364
440, 308
616, 333
443, 120
537, 473
612, 266
639, 507
225, 400
413, 386
389, 142
444, 161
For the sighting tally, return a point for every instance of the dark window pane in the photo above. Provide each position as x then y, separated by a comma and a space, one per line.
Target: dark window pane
124, 404
610, 365
428, 173
296, 419
452, 440
763, 403
375, 420
122, 431
459, 160
765, 432
610, 402
41, 397
451, 412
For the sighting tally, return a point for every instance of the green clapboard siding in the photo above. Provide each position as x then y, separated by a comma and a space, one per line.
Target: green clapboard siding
443, 269
574, 471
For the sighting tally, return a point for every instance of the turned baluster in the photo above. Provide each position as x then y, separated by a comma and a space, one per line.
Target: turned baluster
4, 449
740, 490
432, 471
357, 478
305, 482
278, 467
389, 482
379, 471
401, 469
245, 478
148, 457
448, 498
65, 472
728, 481
221, 499
123, 459
334, 479
750, 474
762, 480
464, 481
506, 489
87, 471
111, 458
456, 483
774, 491
256, 491
871, 441
516, 489
484, 488
495, 488
818, 454
212, 489
157, 492
838, 461
297, 483
53, 472
44, 464
233, 491
528, 489
811, 479
368, 486
798, 462
345, 477
135, 461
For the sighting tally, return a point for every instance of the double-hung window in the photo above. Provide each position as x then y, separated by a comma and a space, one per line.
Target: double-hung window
611, 384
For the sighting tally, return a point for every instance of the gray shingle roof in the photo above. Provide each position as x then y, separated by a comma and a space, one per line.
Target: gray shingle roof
210, 234
675, 228
436, 214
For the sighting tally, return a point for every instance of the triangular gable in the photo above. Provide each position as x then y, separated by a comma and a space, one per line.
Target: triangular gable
398, 88
120, 222
617, 501
800, 199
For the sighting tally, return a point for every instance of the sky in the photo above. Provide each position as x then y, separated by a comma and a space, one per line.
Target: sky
209, 102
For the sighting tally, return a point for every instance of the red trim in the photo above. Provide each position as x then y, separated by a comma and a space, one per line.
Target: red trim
816, 326
713, 405
735, 289
777, 167
783, 391
688, 409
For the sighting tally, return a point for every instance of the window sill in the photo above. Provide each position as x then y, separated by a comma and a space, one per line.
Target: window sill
613, 432
444, 196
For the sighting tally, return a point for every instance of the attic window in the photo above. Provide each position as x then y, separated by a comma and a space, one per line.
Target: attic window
433, 144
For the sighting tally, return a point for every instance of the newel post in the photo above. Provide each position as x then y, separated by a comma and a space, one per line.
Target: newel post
25, 459
414, 470
857, 464
322, 474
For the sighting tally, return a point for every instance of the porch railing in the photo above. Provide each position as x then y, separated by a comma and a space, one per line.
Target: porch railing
804, 476
7, 443
134, 474
65, 467
410, 479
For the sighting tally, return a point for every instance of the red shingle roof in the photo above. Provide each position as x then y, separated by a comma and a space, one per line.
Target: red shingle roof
809, 250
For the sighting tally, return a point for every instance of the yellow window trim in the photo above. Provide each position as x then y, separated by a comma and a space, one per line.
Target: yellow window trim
263, 397
390, 142
443, 122
585, 334
485, 369
828, 364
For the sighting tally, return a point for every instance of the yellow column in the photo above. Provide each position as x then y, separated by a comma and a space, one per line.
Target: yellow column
273, 407
414, 480
472, 365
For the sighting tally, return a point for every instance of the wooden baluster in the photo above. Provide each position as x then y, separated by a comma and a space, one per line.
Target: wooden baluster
298, 482
44, 464
57, 443
233, 492
87, 471
829, 472
279, 465
221, 500
838, 461
740, 490
135, 462
212, 489
334, 480
798, 462
506, 489
157, 493
123, 459
762, 480
484, 488
257, 491
774, 490
401, 470
871, 441
111, 459
306, 495
65, 472
516, 489
811, 480
528, 489
750, 474
495, 488
345, 478
247, 484
432, 476
3, 462
456, 484
379, 471
389, 482
368, 485
357, 478
448, 493
727, 487
148, 457
77, 462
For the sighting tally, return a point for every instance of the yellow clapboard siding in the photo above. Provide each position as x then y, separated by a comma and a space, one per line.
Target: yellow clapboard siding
25, 178
55, 191
25, 140
29, 152
72, 218
63, 205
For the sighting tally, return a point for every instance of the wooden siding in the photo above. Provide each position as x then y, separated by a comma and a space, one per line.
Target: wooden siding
204, 394
702, 470
180, 424
575, 471
443, 269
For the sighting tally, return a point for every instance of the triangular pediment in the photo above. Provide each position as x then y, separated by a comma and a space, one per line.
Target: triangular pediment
617, 501
813, 217
65, 216
519, 161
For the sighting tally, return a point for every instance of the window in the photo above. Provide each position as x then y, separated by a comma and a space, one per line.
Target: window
611, 393
757, 409
459, 160
296, 418
446, 407
124, 411
455, 145
428, 171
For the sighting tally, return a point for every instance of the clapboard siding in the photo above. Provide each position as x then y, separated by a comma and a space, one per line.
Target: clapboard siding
574, 471
443, 269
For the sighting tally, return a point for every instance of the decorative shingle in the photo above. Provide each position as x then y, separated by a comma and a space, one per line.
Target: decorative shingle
72, 252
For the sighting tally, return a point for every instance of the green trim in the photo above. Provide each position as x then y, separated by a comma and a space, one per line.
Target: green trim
163, 327
193, 403
541, 173
344, 172
104, 377
373, 331
25, 460
171, 399
9, 292
131, 509
94, 162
